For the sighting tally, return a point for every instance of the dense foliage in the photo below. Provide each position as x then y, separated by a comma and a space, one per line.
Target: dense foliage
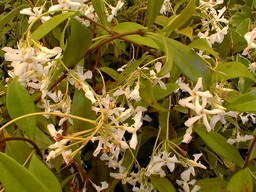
127, 95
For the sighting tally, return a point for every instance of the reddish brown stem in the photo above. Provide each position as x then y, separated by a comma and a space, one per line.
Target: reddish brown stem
247, 159
26, 140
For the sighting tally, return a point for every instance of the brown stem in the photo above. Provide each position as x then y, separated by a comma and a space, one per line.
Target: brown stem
247, 159
117, 36
24, 139
99, 24
140, 46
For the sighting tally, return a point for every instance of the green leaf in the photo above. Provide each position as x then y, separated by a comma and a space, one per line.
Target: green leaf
244, 27
82, 107
212, 185
111, 72
7, 18
18, 103
99, 7
160, 93
126, 27
78, 43
153, 10
16, 178
219, 144
162, 184
189, 63
201, 44
18, 150
244, 103
181, 19
169, 58
43, 173
241, 182
42, 140
231, 70
49, 25
146, 93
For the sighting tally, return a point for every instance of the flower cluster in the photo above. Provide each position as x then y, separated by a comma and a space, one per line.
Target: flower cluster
129, 104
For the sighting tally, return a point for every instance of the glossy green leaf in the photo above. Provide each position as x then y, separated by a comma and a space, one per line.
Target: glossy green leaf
8, 17
201, 44
188, 31
162, 184
163, 119
212, 185
146, 93
82, 107
43, 173
160, 93
49, 25
244, 103
241, 182
181, 19
42, 140
99, 7
167, 67
18, 150
153, 9
219, 144
244, 27
111, 72
126, 27
16, 178
189, 63
231, 70
18, 103
78, 43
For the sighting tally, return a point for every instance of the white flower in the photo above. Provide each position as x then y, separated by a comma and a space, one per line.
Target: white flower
137, 124
185, 175
185, 185
114, 10
194, 93
166, 7
187, 137
250, 38
245, 118
67, 4
157, 80
104, 185
88, 93
252, 67
159, 161
202, 113
239, 139
131, 95
57, 135
34, 14
211, 2
215, 37
221, 117
60, 149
